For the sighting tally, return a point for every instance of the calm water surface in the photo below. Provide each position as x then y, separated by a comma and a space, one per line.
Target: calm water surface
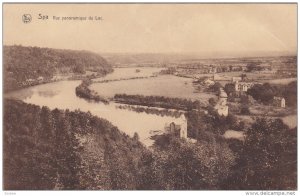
130, 72
62, 95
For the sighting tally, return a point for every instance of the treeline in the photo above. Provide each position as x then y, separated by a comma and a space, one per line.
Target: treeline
158, 101
29, 63
121, 79
83, 91
265, 92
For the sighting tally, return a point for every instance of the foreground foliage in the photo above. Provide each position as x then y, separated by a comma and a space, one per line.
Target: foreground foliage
57, 149
267, 160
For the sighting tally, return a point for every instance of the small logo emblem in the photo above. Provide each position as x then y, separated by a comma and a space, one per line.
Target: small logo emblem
26, 18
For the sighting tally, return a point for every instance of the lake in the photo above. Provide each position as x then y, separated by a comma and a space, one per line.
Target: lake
61, 95
130, 72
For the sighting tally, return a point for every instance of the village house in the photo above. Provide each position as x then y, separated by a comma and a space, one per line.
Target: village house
242, 86
279, 102
221, 106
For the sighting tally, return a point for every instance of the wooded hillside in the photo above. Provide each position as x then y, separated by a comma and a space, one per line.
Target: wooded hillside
57, 149
23, 64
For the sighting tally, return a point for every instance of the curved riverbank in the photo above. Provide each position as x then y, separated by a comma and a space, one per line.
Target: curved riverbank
84, 92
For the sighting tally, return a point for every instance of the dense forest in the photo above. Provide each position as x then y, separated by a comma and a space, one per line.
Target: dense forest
75, 150
65, 150
23, 64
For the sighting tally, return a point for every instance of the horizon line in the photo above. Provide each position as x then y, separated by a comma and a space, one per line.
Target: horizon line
202, 56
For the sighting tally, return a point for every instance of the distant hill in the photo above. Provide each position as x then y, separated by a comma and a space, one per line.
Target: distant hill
142, 59
29, 63
157, 59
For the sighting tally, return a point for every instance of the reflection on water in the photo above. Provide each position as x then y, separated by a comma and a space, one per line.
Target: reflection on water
62, 95
48, 93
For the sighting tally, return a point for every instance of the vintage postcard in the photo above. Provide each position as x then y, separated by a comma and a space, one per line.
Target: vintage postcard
147, 96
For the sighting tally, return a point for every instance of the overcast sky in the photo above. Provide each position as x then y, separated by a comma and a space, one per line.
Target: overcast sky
204, 29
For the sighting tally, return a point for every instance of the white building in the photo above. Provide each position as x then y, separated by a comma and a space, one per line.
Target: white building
242, 86
221, 106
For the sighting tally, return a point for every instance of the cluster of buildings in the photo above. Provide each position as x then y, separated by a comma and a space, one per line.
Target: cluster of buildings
218, 69
30, 81
222, 108
241, 88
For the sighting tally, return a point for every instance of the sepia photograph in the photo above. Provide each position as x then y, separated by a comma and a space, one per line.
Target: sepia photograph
149, 96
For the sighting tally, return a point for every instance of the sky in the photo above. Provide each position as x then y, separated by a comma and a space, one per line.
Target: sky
208, 30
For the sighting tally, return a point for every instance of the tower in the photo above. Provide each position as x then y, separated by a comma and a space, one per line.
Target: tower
183, 127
